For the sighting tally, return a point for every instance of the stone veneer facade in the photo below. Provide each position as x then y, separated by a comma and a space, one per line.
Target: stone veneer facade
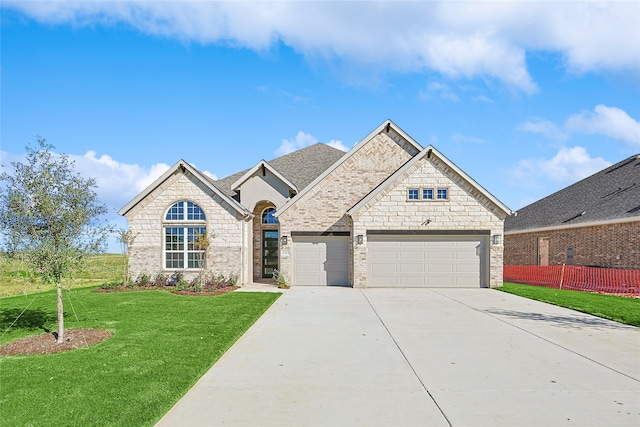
466, 209
223, 222
323, 209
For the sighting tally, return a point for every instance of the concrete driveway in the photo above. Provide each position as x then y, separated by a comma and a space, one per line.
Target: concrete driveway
420, 357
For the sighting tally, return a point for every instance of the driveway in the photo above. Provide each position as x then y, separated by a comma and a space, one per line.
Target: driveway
325, 356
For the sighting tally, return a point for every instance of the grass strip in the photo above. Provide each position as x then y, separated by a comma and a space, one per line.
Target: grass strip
620, 309
161, 345
17, 278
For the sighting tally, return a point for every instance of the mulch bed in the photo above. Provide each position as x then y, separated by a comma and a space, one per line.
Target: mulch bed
46, 343
219, 291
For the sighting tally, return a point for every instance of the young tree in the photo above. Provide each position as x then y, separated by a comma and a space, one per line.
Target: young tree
50, 214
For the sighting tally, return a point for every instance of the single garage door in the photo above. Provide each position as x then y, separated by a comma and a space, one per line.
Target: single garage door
426, 261
320, 260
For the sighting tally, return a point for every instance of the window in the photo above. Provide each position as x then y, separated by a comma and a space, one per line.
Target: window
427, 194
181, 240
268, 216
177, 210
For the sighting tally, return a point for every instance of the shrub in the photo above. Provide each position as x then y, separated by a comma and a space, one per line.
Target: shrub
177, 279
143, 280
160, 281
280, 280
233, 278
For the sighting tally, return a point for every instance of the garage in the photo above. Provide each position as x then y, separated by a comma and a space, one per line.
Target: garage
320, 260
431, 261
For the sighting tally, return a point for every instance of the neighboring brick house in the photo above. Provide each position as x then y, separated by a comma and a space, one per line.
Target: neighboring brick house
594, 222
387, 213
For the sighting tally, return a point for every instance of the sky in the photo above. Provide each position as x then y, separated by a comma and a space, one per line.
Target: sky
526, 97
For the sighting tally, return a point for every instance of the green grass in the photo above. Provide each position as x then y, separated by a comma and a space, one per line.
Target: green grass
621, 309
161, 345
17, 279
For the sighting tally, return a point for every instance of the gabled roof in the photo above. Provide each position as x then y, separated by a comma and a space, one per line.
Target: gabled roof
267, 166
183, 166
300, 167
611, 195
383, 127
428, 152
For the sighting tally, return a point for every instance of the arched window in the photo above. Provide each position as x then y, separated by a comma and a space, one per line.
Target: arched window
185, 227
177, 212
268, 216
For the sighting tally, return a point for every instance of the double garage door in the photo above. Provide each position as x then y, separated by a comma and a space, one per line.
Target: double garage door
397, 260
426, 261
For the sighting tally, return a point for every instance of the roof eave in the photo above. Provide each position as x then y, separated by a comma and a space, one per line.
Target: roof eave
271, 169
195, 172
386, 124
428, 151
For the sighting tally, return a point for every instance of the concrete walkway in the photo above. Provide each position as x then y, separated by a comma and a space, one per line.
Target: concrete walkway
420, 357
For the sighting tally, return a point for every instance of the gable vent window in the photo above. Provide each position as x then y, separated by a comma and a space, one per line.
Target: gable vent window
428, 194
184, 231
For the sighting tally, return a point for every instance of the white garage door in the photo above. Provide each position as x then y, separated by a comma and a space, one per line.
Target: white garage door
425, 261
320, 260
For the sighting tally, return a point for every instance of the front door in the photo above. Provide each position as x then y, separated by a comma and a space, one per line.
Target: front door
269, 252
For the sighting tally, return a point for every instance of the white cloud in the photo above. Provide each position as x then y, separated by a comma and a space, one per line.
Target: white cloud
608, 121
567, 166
338, 145
303, 140
439, 89
117, 182
459, 40
546, 128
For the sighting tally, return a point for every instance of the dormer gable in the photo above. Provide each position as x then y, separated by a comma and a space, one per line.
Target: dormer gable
263, 182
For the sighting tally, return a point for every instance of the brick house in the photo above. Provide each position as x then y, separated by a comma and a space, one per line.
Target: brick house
387, 213
594, 222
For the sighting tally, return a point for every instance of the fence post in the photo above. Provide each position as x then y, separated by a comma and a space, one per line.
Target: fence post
561, 275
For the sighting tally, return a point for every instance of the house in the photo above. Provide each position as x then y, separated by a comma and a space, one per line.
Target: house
387, 213
594, 222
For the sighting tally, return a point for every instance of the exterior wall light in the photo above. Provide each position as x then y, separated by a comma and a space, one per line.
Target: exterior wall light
284, 240
359, 239
496, 239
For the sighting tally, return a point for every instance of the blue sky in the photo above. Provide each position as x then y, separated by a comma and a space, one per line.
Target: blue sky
526, 97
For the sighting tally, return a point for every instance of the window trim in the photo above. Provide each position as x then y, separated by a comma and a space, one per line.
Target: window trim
435, 192
185, 212
446, 190
185, 231
412, 189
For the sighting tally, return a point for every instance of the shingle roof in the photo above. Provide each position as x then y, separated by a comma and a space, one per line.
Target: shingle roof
612, 193
300, 167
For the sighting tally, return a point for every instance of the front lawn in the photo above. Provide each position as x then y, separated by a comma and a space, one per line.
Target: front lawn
161, 345
621, 309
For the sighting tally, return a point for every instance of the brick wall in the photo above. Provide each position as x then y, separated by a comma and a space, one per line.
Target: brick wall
324, 207
466, 209
594, 246
146, 223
